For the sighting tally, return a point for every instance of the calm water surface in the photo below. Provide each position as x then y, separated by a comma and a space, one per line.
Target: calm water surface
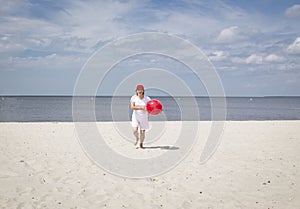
44, 108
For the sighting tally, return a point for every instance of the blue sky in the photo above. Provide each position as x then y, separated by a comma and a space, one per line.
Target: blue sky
254, 45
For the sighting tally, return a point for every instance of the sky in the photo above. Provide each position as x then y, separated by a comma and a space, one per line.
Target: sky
254, 46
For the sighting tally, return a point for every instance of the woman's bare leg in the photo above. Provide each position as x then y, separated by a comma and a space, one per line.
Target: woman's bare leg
142, 138
136, 134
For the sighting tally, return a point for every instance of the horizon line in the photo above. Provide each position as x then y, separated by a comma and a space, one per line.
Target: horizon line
205, 96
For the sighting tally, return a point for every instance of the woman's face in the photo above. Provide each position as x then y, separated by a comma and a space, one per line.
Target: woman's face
140, 93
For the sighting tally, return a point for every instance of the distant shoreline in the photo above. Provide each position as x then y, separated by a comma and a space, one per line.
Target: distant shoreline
105, 96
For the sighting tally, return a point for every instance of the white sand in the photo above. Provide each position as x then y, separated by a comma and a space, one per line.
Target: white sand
257, 165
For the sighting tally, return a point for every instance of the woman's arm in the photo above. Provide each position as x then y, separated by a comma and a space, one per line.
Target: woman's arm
133, 107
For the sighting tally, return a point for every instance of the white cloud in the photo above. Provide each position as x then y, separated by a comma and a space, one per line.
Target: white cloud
293, 11
80, 27
231, 34
20, 33
237, 60
193, 19
274, 58
183, 23
71, 34
8, 45
49, 62
294, 48
100, 20
217, 8
258, 59
11, 6
254, 59
218, 56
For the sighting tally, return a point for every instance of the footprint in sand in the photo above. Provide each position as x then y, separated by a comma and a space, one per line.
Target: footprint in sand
8, 174
25, 190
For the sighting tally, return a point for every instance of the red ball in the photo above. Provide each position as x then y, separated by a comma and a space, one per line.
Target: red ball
154, 107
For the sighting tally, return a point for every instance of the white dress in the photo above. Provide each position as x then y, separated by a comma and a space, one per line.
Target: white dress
140, 117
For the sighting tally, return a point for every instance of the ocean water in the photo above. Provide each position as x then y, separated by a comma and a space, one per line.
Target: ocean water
51, 108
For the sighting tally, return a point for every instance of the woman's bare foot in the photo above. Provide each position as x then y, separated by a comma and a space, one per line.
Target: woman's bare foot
135, 143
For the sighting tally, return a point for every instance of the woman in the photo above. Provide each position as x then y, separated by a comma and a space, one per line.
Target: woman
139, 115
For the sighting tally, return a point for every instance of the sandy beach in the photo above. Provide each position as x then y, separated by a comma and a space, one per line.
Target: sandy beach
256, 165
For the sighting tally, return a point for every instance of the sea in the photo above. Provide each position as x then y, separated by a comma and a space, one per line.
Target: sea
106, 108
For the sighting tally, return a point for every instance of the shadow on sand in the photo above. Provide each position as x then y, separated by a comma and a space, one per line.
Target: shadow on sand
161, 147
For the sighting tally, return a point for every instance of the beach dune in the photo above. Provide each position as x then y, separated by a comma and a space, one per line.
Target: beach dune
256, 165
